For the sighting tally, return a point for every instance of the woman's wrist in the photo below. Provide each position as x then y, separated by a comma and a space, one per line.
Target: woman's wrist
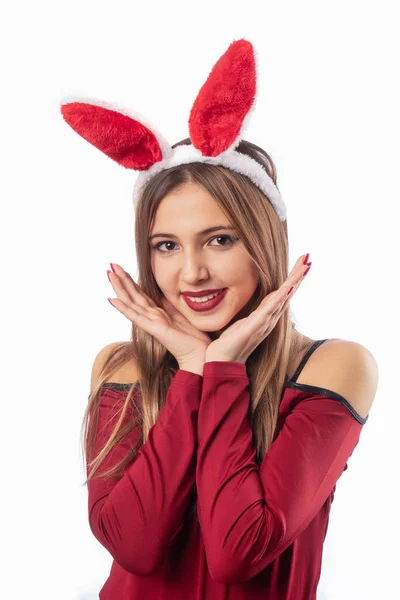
194, 366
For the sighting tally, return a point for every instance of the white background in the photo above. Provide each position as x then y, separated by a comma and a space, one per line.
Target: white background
327, 112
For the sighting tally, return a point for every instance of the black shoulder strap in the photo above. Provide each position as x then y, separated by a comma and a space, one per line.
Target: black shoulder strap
123, 387
305, 358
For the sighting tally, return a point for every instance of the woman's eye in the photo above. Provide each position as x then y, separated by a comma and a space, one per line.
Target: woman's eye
231, 241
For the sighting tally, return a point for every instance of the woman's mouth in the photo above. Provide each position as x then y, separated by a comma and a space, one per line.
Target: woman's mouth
202, 305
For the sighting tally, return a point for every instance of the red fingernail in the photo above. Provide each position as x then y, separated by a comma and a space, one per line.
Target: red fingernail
306, 271
290, 290
111, 265
306, 258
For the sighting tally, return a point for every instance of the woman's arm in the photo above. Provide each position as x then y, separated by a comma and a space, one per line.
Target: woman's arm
250, 514
137, 517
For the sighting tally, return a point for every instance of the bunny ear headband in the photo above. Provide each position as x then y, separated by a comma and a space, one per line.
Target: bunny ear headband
216, 124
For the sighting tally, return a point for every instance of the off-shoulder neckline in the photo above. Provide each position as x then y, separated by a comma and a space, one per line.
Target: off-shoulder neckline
289, 383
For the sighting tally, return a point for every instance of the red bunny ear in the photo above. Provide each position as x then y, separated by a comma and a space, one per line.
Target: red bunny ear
122, 138
224, 100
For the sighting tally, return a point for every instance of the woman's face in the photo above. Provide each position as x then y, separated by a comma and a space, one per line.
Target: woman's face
187, 260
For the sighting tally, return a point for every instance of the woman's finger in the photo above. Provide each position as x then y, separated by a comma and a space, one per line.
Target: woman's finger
297, 279
297, 266
274, 301
137, 315
127, 290
131, 311
137, 290
296, 275
294, 280
281, 306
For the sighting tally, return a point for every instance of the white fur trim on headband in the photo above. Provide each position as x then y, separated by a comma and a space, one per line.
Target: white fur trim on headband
241, 163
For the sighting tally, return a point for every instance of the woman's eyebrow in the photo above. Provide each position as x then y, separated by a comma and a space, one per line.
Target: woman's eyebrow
203, 232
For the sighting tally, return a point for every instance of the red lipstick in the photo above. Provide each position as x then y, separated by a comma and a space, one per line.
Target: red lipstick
208, 304
201, 293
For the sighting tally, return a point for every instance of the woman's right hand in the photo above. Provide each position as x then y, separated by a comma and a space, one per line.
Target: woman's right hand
169, 326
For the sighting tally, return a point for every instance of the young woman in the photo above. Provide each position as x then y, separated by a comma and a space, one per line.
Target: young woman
215, 437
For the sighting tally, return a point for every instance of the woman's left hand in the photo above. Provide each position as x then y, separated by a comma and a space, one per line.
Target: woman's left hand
240, 339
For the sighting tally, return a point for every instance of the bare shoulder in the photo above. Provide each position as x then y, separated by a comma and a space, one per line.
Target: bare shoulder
127, 373
345, 367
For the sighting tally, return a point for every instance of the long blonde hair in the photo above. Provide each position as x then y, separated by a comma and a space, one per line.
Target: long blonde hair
266, 239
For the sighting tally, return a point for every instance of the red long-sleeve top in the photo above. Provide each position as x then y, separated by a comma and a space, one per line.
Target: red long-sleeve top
261, 529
